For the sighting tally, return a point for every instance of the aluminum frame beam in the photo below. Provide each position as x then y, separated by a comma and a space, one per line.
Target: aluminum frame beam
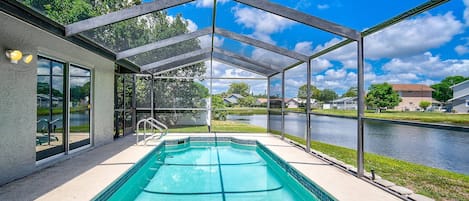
201, 53
163, 43
121, 15
246, 59
361, 109
303, 18
261, 44
238, 64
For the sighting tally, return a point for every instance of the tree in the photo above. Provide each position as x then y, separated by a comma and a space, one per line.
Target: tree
382, 96
424, 104
327, 95
239, 88
218, 112
247, 101
351, 92
302, 92
443, 91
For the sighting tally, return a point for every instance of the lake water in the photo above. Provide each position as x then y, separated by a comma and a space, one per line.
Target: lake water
438, 148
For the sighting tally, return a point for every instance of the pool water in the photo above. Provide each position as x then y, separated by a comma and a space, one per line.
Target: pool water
210, 171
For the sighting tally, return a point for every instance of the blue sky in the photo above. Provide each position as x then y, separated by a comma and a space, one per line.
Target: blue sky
423, 49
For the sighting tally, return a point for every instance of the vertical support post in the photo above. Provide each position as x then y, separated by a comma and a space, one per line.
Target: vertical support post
66, 108
308, 107
124, 106
152, 93
283, 105
268, 104
116, 113
361, 108
134, 102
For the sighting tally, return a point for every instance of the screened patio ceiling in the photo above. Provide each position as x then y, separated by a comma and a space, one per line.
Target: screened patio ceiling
244, 46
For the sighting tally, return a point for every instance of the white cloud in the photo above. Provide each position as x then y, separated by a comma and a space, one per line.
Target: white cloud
323, 6
191, 25
269, 57
261, 22
461, 49
305, 47
466, 12
412, 36
428, 66
206, 41
407, 38
208, 3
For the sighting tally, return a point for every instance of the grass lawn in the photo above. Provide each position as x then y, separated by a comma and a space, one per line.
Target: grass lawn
435, 183
221, 127
431, 117
247, 111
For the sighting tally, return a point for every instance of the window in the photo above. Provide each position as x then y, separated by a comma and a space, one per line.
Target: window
467, 103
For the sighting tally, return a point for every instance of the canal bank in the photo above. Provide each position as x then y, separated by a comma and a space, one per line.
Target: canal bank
439, 148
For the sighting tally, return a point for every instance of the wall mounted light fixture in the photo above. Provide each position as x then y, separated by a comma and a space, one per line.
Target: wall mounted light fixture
16, 55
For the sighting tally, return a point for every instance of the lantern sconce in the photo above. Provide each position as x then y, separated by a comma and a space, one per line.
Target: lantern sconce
16, 55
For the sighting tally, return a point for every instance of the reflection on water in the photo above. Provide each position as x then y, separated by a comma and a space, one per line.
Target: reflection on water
432, 147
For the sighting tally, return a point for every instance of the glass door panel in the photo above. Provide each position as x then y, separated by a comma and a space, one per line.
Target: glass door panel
50, 108
80, 107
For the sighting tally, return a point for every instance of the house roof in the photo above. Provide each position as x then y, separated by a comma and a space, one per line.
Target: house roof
231, 100
262, 100
462, 96
411, 87
238, 96
344, 99
461, 83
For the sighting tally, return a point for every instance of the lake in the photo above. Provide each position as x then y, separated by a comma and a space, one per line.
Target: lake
444, 149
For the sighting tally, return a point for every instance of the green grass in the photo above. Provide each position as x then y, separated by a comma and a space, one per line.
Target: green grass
45, 111
430, 117
221, 127
247, 111
435, 183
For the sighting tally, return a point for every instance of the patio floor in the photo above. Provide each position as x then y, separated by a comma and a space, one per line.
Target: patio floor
84, 176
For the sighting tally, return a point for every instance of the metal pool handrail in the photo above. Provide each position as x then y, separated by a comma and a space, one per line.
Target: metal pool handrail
154, 124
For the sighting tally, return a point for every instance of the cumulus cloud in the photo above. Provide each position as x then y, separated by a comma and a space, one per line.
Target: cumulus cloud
269, 57
461, 49
305, 47
261, 22
206, 41
407, 38
428, 65
466, 12
413, 36
208, 3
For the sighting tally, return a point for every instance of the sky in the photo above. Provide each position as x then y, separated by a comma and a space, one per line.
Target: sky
423, 49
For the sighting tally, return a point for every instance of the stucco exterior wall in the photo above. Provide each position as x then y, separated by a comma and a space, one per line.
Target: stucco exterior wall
411, 103
18, 94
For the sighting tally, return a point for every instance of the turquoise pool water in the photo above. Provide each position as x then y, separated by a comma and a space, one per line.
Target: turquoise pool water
208, 171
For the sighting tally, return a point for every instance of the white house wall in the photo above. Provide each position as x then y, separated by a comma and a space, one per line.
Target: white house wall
18, 94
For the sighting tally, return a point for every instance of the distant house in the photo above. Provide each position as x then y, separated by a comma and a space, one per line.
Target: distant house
261, 101
44, 101
292, 103
412, 95
345, 103
232, 99
460, 100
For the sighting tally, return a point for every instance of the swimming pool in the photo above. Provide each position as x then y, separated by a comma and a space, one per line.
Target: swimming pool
208, 168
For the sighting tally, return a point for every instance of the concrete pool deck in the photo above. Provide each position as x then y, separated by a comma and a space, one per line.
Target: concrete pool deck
84, 176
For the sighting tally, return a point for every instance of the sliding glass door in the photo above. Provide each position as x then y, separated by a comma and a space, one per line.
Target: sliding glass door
59, 131
50, 108
80, 107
